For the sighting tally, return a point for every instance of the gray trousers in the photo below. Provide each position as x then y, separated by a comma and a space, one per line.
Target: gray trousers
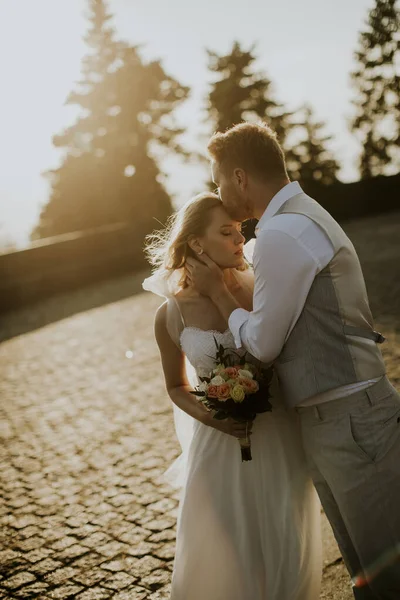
353, 450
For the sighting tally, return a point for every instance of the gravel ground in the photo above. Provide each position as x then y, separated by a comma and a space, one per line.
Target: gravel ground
87, 432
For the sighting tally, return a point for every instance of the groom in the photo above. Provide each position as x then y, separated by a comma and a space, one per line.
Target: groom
311, 318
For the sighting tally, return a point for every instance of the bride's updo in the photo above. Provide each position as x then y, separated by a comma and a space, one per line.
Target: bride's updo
167, 249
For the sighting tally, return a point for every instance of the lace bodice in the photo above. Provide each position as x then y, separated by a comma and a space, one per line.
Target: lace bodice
199, 347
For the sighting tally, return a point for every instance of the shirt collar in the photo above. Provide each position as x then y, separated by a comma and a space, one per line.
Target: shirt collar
288, 191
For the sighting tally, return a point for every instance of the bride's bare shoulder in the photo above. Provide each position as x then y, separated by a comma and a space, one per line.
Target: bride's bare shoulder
187, 296
160, 318
185, 293
167, 326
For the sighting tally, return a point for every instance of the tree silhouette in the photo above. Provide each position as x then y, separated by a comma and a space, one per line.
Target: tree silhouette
109, 172
240, 93
308, 158
377, 80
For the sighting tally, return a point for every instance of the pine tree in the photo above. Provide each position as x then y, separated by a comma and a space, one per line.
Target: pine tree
377, 80
308, 159
109, 173
242, 94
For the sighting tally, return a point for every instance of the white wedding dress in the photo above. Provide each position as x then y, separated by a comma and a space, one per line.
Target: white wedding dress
246, 530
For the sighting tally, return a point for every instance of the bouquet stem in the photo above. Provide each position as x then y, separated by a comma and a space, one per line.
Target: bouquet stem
245, 447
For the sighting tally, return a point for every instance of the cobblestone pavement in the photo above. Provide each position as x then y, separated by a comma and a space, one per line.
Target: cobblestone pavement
87, 432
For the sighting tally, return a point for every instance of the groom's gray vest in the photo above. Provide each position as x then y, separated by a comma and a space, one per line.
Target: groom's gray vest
333, 342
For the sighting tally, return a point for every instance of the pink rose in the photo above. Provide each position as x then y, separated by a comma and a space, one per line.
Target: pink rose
224, 391
231, 372
254, 386
212, 391
249, 385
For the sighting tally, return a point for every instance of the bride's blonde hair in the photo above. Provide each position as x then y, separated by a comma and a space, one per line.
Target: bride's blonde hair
167, 249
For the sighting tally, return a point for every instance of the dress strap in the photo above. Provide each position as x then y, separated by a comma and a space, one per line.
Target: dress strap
179, 310
175, 321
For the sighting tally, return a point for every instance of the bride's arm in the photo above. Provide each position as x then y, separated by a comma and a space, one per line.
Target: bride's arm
178, 388
173, 364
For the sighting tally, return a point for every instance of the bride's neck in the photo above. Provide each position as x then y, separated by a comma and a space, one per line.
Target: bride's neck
231, 280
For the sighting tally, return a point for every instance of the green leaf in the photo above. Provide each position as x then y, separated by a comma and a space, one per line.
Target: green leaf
215, 340
220, 415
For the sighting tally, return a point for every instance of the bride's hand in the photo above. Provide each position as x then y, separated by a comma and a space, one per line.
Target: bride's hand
231, 427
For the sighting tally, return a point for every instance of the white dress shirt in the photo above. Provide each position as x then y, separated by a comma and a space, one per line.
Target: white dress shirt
289, 252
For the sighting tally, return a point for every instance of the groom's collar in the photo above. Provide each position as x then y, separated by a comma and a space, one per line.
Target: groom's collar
288, 191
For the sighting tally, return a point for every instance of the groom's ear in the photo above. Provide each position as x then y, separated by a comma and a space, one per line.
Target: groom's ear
240, 178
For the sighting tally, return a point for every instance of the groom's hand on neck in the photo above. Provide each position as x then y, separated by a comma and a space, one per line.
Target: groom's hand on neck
208, 279
204, 275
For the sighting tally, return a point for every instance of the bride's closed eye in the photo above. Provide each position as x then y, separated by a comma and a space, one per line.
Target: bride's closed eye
229, 232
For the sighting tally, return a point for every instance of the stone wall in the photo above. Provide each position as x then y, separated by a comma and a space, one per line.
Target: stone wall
66, 262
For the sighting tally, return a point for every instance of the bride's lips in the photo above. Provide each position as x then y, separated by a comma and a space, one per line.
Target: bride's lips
239, 252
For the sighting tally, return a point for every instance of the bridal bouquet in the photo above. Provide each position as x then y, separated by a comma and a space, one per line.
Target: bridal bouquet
236, 388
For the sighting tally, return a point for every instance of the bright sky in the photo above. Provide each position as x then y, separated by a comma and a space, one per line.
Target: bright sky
306, 47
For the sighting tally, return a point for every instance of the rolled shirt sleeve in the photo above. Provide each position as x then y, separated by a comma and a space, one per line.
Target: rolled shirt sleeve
285, 267
239, 317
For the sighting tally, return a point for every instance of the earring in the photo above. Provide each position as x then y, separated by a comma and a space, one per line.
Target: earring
200, 251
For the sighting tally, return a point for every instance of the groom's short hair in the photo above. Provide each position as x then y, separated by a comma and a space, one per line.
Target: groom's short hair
252, 147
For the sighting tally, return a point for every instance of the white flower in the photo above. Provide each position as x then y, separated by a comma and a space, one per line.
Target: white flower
217, 380
203, 386
245, 373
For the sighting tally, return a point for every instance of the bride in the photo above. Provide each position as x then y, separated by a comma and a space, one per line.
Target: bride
246, 531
